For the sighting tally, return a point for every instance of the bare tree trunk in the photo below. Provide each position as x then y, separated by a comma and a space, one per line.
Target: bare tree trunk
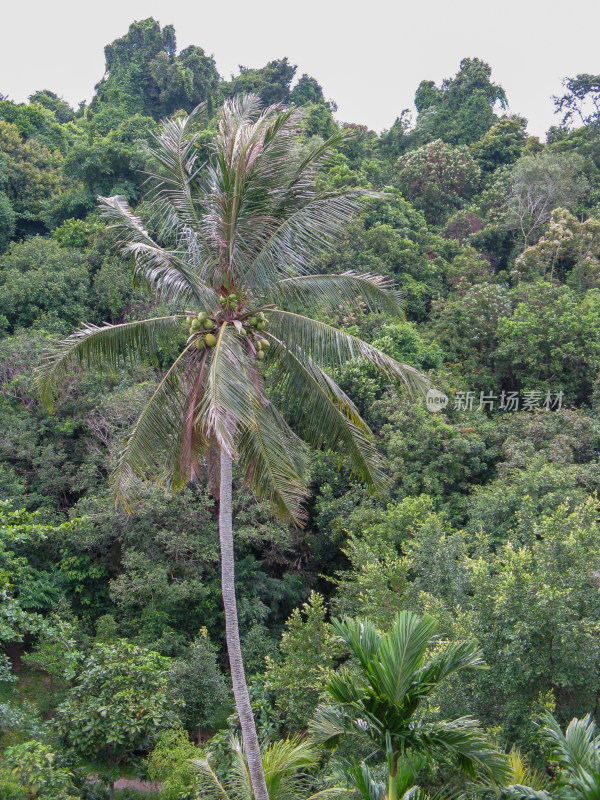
238, 677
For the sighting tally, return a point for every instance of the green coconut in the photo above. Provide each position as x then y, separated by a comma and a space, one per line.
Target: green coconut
210, 340
208, 325
260, 355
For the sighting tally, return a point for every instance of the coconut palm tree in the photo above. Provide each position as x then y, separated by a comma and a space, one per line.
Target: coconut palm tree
380, 700
285, 764
233, 259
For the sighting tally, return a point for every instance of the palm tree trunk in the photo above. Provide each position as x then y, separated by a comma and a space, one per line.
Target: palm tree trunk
238, 677
393, 781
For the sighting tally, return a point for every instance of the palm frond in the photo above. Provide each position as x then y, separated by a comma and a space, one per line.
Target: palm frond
207, 781
279, 218
329, 724
360, 778
325, 414
576, 750
361, 637
285, 763
290, 755
239, 781
464, 741
152, 449
176, 153
243, 180
454, 657
523, 782
407, 769
104, 348
177, 196
331, 347
523, 773
166, 272
335, 291
317, 154
518, 791
295, 243
346, 688
400, 655
274, 462
232, 398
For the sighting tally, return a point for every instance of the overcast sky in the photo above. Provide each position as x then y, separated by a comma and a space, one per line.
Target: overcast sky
369, 57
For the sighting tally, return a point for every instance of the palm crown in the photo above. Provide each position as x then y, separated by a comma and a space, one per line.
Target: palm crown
381, 701
233, 258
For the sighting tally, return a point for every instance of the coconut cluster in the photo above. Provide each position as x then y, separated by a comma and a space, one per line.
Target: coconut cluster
229, 301
202, 327
259, 321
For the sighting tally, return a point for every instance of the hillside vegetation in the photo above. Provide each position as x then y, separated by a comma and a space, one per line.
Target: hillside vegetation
113, 657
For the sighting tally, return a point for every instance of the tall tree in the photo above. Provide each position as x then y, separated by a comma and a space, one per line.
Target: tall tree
240, 239
461, 110
145, 76
581, 102
271, 82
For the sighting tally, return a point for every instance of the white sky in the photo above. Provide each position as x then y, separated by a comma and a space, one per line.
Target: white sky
369, 57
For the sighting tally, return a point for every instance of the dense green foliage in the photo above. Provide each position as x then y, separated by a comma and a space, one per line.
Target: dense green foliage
490, 524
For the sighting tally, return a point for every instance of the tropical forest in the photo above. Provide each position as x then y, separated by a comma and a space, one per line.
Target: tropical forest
299, 439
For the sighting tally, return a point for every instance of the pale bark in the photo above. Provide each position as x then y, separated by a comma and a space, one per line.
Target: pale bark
234, 650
